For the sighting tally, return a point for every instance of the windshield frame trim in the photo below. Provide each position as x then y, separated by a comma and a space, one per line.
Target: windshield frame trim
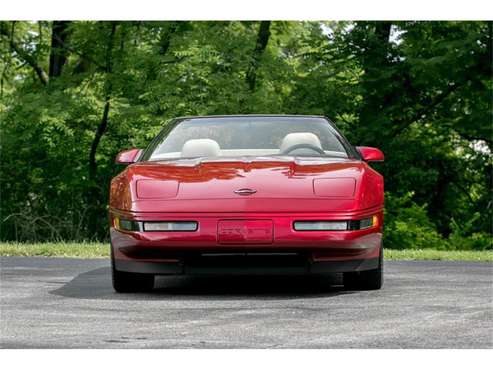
351, 151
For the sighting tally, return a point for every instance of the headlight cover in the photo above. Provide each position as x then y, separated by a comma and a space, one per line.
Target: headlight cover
170, 226
323, 225
129, 225
320, 225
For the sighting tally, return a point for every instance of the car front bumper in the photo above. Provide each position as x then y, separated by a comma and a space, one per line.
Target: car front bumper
202, 252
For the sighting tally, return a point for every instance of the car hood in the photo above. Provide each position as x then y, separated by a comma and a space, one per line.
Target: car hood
283, 184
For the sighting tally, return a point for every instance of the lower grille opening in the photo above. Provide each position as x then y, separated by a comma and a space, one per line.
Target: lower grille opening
245, 259
246, 262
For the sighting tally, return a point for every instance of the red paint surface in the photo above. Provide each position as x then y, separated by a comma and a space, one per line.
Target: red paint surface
156, 189
370, 154
209, 187
128, 156
335, 188
285, 191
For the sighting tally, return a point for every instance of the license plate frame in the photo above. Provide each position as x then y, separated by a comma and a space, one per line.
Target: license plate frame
241, 231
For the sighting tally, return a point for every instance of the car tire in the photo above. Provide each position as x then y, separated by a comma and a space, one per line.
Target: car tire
130, 282
365, 280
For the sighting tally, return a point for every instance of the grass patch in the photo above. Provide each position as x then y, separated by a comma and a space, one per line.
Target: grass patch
102, 250
433, 254
76, 250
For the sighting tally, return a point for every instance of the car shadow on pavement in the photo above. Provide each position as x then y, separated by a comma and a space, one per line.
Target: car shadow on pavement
96, 284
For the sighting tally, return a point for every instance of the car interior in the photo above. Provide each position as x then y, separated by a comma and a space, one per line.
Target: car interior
298, 143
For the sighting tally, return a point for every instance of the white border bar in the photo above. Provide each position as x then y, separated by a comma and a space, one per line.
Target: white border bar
245, 359
246, 10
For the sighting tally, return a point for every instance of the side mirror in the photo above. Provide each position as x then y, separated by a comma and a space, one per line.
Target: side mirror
128, 156
370, 154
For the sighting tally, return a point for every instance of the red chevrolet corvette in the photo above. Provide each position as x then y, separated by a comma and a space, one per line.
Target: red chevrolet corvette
250, 194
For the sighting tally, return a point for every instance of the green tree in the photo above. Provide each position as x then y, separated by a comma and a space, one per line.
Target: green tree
73, 94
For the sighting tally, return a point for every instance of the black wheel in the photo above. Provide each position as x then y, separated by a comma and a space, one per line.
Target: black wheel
129, 282
365, 280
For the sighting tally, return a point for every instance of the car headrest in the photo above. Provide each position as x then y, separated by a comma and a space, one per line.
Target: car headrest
297, 138
200, 148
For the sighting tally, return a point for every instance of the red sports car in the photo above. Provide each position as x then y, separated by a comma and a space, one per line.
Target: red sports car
249, 194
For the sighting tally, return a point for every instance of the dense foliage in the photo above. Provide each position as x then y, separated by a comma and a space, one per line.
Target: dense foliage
73, 94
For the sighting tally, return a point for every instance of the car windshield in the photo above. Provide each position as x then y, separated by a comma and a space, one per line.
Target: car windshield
248, 136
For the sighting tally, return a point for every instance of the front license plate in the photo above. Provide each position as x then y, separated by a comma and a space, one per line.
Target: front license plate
245, 231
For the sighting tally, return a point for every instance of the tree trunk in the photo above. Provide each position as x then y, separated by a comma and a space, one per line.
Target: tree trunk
382, 31
94, 191
261, 44
374, 61
437, 205
58, 52
489, 46
24, 55
104, 119
165, 37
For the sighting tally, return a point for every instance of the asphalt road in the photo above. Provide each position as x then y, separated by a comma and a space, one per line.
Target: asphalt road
69, 303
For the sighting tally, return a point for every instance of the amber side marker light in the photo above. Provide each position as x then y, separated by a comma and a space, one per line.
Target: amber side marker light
375, 220
364, 223
127, 225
